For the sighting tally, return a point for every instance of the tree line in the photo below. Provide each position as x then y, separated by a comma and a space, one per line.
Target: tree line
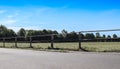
62, 36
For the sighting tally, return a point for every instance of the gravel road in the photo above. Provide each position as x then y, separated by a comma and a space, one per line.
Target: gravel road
29, 59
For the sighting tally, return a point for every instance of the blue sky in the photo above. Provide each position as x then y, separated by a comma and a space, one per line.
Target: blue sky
71, 15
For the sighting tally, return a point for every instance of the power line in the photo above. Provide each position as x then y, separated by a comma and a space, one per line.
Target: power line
101, 30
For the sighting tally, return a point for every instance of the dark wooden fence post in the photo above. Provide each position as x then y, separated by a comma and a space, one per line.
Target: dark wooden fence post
3, 42
52, 41
31, 42
16, 42
80, 39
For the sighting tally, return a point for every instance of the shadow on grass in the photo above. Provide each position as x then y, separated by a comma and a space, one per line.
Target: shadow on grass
63, 49
83, 49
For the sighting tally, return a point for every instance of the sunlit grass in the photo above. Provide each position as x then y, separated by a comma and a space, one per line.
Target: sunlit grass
90, 46
101, 46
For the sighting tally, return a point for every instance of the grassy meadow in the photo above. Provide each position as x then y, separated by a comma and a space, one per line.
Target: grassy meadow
90, 46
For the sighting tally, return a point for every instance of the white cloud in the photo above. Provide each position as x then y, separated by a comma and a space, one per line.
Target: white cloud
17, 28
10, 16
13, 15
10, 21
2, 11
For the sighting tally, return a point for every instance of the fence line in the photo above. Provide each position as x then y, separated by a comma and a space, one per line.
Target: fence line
52, 38
30, 41
80, 38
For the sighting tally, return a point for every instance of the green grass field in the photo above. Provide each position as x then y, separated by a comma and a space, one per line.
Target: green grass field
90, 46
102, 46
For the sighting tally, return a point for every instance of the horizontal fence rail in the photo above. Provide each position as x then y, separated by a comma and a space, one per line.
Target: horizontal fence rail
101, 30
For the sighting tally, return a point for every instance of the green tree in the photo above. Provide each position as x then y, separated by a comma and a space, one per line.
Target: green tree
89, 36
45, 31
114, 36
72, 36
30, 32
55, 32
49, 32
108, 36
104, 36
64, 33
11, 33
21, 32
98, 35
3, 31
82, 36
